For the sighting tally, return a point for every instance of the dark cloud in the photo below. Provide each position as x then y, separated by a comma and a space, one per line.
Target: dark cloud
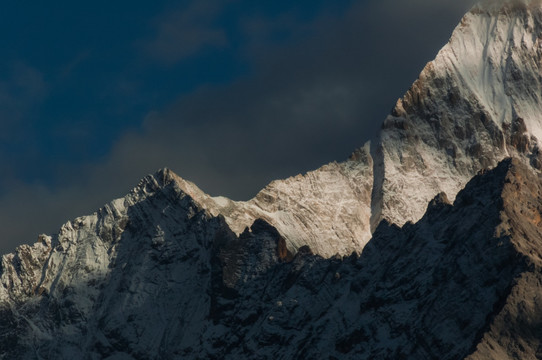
312, 96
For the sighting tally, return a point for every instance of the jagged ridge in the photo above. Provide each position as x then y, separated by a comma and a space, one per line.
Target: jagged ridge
176, 282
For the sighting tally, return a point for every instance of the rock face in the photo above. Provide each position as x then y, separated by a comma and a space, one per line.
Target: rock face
328, 209
478, 102
156, 276
169, 272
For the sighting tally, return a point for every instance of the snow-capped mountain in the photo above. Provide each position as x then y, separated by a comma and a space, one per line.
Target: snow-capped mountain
155, 276
169, 272
478, 102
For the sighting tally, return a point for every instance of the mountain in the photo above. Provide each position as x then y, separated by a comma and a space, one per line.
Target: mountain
155, 276
328, 209
477, 103
409, 249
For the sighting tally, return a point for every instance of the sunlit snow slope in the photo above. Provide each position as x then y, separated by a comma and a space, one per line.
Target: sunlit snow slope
479, 101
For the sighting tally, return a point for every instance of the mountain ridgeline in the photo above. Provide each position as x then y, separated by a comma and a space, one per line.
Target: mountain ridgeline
425, 244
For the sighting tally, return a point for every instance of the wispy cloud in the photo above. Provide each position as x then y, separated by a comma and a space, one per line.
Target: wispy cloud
183, 32
71, 66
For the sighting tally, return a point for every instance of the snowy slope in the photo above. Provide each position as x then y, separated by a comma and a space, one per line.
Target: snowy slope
328, 209
172, 281
139, 270
478, 102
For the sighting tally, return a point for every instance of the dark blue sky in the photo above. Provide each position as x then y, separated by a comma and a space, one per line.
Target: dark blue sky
229, 94
79, 75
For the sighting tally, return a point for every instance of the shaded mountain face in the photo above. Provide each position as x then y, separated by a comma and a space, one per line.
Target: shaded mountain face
170, 272
157, 276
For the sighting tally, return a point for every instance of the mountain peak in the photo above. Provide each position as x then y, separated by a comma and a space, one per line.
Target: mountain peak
478, 102
165, 175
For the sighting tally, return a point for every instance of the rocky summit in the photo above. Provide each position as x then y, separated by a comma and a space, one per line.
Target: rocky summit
425, 244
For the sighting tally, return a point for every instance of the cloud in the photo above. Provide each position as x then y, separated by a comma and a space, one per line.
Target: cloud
311, 98
70, 67
184, 32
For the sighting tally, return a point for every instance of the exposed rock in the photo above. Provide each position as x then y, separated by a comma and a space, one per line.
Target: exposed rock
176, 282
